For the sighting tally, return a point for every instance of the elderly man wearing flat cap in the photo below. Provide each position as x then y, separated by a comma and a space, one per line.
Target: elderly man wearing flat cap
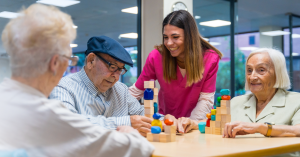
95, 92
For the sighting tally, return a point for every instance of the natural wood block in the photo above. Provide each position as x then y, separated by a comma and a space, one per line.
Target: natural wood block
155, 137
149, 110
212, 124
163, 137
225, 110
149, 137
218, 117
225, 103
218, 110
149, 115
148, 103
155, 98
148, 84
170, 129
207, 130
226, 118
223, 124
217, 131
155, 91
217, 124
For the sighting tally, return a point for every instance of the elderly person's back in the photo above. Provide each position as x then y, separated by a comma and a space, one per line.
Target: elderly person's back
38, 43
270, 110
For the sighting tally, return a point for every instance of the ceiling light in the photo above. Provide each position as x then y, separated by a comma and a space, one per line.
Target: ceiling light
59, 3
134, 52
215, 43
248, 48
129, 35
73, 45
197, 17
275, 33
215, 23
295, 54
296, 36
205, 39
75, 26
7, 14
132, 10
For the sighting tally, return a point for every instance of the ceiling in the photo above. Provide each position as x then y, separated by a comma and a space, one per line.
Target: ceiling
104, 17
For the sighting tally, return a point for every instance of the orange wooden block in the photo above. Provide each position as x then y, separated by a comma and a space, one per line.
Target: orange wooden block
168, 122
225, 103
225, 97
148, 103
148, 84
208, 115
207, 130
225, 110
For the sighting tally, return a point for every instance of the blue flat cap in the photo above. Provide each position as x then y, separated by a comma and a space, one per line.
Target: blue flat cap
104, 44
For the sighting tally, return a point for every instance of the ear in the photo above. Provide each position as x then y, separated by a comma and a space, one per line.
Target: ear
90, 60
54, 64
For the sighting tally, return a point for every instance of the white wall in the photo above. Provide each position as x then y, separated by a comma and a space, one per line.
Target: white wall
4, 68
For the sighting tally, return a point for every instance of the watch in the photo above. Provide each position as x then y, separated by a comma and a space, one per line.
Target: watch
269, 129
179, 6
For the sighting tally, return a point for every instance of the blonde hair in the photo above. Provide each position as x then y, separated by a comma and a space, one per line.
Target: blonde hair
282, 77
34, 37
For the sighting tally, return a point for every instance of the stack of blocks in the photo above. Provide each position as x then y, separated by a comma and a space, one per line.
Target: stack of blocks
151, 108
220, 116
150, 98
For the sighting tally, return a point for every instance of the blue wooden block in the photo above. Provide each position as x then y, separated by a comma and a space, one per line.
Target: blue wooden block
213, 117
218, 104
155, 130
225, 92
215, 107
202, 126
148, 94
155, 107
156, 116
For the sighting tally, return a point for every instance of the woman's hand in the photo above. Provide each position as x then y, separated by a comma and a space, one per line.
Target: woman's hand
185, 125
172, 118
240, 128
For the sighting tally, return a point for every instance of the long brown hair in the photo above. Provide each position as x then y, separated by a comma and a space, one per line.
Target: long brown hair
194, 48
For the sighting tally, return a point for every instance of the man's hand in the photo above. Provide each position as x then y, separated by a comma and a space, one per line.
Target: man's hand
141, 123
126, 129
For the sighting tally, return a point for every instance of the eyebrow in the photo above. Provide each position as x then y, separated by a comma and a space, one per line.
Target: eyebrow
260, 64
171, 34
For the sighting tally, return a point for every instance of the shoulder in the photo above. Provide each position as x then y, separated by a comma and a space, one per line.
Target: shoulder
211, 56
154, 54
292, 97
120, 87
69, 81
240, 100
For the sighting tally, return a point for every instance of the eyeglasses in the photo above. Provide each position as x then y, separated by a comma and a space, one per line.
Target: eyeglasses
73, 60
113, 67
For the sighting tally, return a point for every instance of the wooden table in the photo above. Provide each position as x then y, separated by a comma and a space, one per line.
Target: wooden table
197, 144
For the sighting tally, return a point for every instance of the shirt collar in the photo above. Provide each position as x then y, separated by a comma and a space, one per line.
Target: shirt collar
90, 85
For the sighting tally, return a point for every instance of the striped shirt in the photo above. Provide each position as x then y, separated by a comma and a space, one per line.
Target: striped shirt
109, 109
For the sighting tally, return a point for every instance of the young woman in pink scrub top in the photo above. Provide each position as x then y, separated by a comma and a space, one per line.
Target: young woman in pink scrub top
185, 66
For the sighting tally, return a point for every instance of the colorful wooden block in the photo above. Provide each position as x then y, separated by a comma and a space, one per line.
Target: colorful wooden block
148, 94
155, 107
208, 115
168, 122
155, 98
155, 90
225, 110
208, 122
149, 110
201, 127
148, 103
148, 84
218, 117
213, 117
155, 129
213, 111
218, 104
156, 116
207, 130
156, 122
225, 91
225, 97
170, 129
225, 103
219, 99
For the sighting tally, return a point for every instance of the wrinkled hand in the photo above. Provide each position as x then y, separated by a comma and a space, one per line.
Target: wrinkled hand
127, 129
240, 128
141, 123
186, 124
170, 117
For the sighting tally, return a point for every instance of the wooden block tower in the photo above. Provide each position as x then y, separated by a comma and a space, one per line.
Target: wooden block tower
151, 108
219, 116
150, 97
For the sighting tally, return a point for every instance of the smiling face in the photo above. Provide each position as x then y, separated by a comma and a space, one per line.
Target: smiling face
174, 40
98, 72
260, 74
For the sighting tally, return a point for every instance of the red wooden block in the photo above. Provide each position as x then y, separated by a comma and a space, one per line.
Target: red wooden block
168, 122
225, 97
208, 115
208, 122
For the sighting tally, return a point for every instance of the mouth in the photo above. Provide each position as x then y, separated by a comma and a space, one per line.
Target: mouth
255, 84
173, 49
109, 82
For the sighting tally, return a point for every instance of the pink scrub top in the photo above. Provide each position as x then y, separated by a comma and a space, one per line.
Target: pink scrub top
174, 97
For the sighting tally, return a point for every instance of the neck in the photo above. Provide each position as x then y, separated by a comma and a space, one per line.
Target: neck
40, 83
180, 62
265, 97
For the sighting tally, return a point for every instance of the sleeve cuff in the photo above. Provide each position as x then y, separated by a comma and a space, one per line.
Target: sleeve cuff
123, 121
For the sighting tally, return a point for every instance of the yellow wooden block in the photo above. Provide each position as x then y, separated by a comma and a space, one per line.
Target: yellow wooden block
156, 122
148, 103
218, 117
148, 84
155, 91
225, 103
149, 110
155, 98
170, 129
207, 130
225, 110
213, 111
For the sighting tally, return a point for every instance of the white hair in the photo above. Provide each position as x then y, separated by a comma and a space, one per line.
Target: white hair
34, 37
282, 77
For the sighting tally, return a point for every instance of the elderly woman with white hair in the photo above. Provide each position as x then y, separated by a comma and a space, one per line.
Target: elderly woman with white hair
38, 43
270, 110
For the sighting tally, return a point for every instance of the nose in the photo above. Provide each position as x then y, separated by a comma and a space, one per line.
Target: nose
169, 42
253, 75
